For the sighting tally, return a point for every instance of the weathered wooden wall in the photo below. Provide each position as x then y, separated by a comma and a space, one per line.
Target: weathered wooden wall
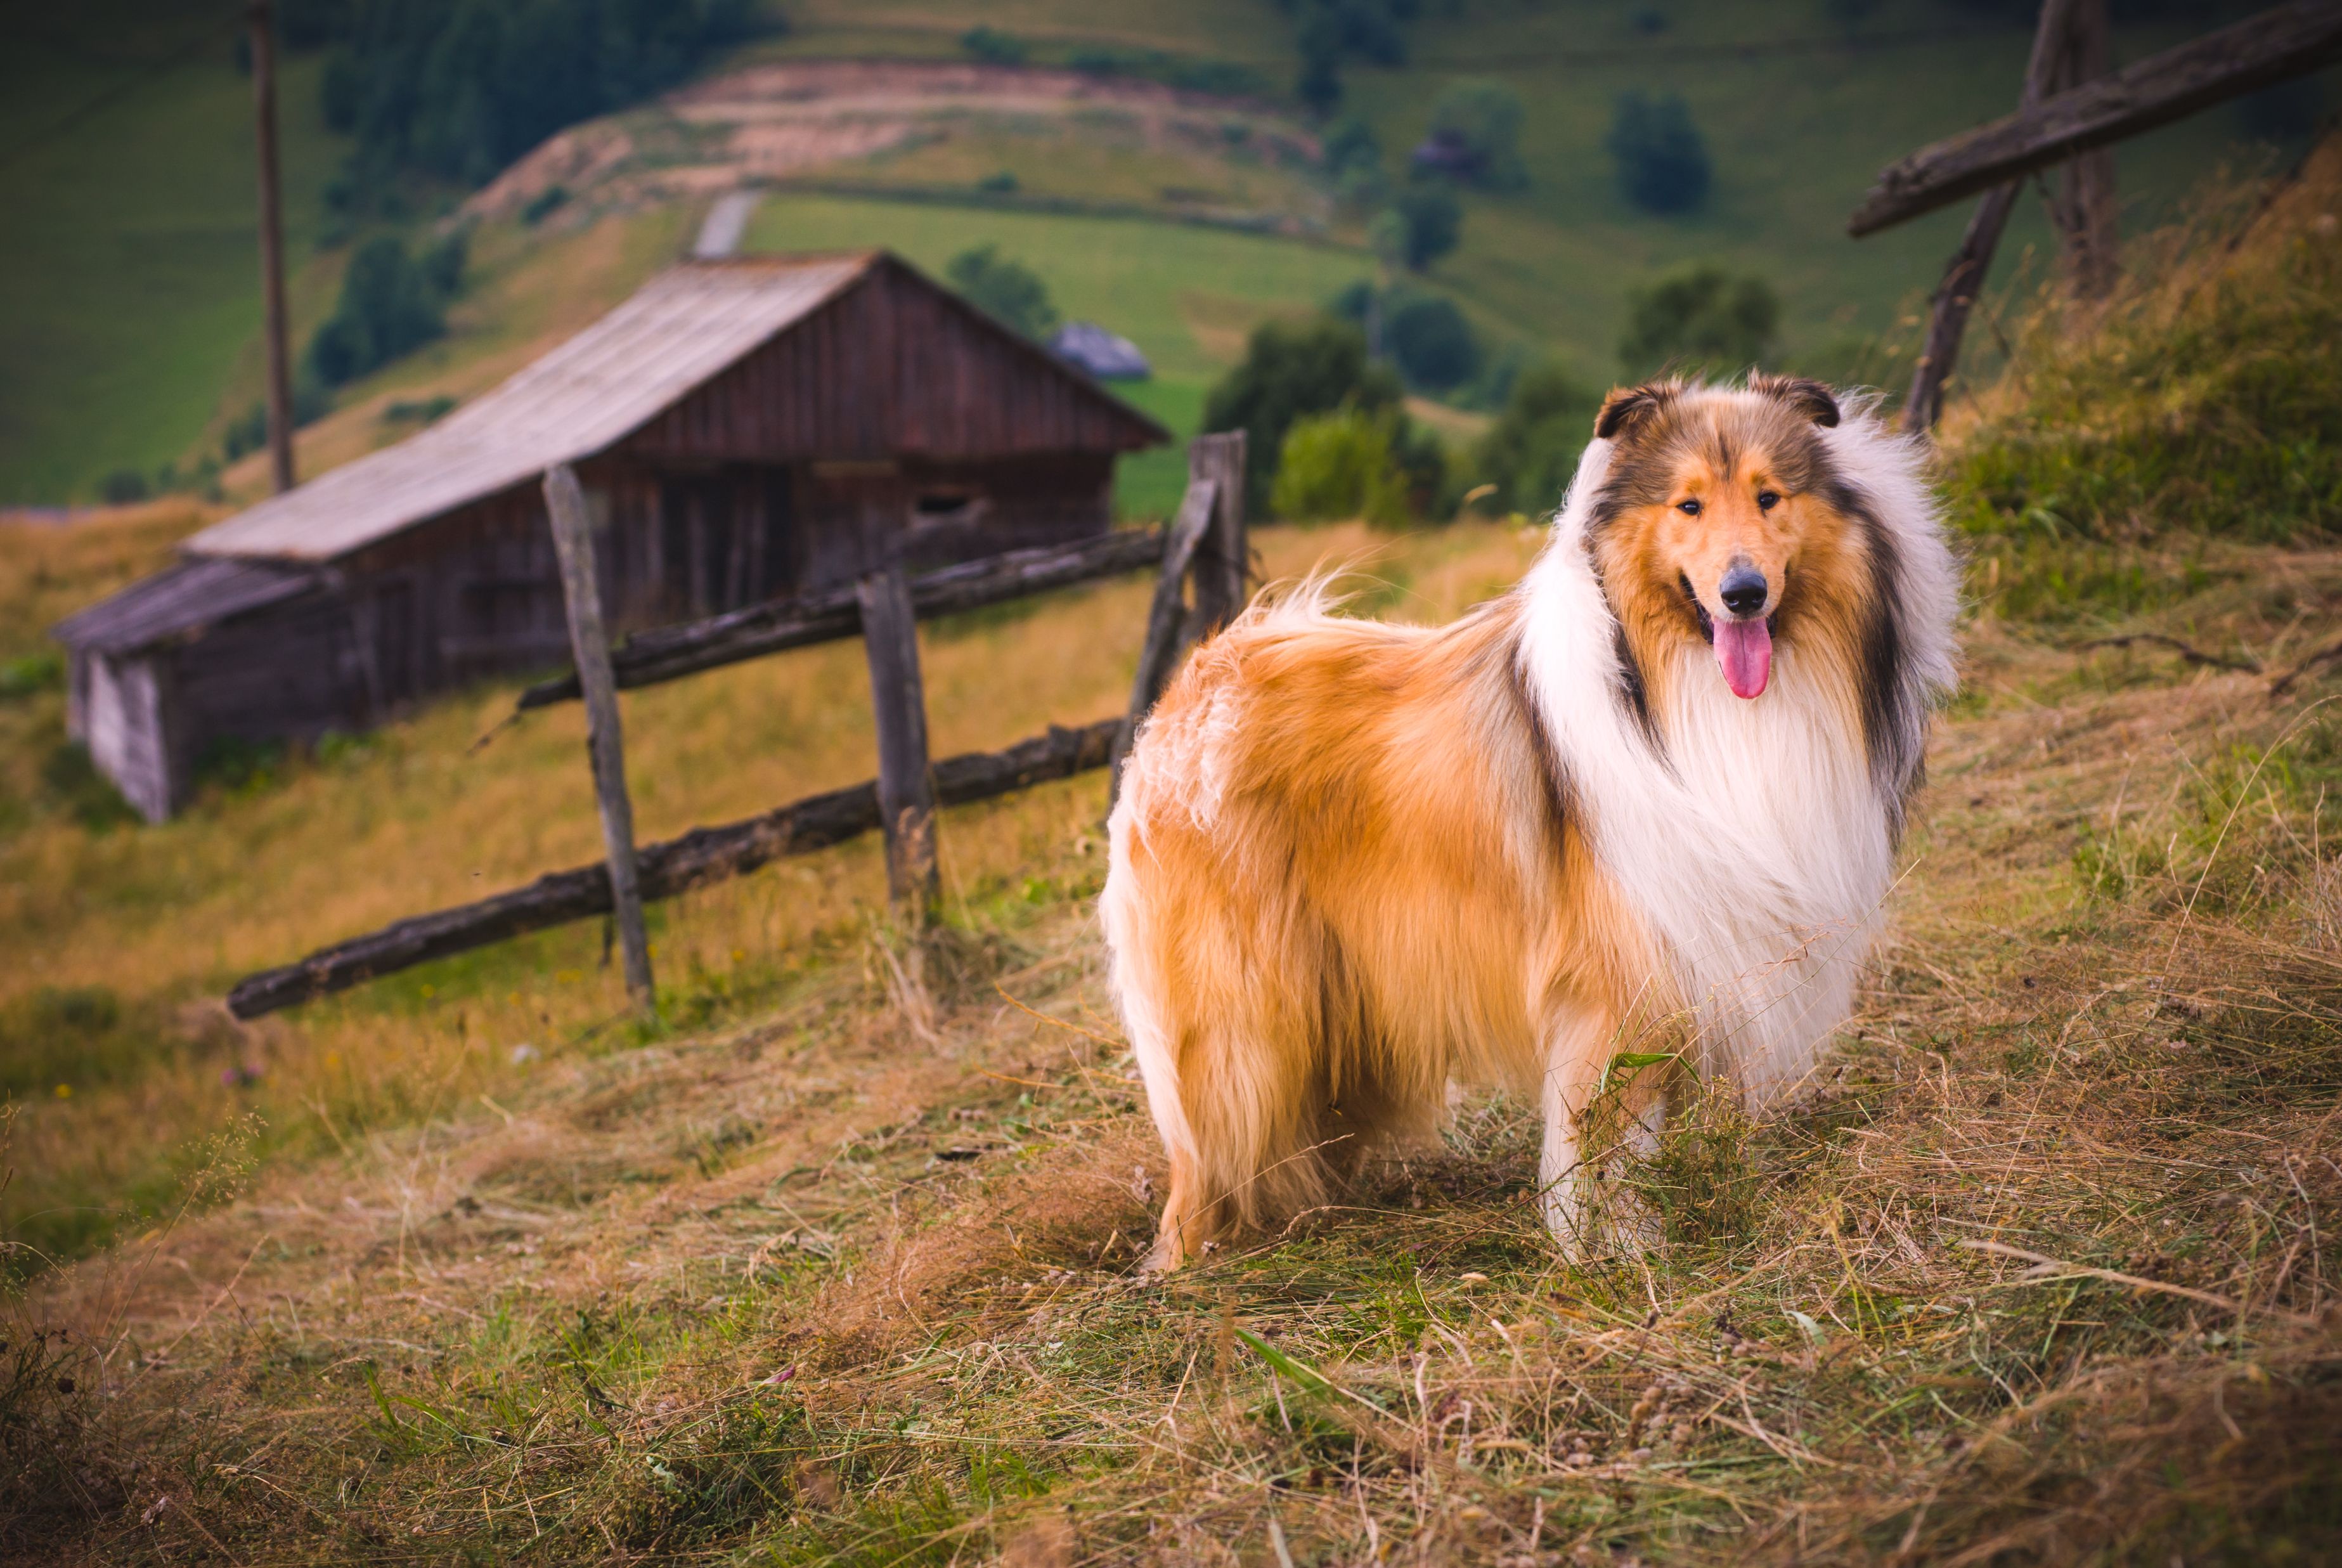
126, 724
893, 367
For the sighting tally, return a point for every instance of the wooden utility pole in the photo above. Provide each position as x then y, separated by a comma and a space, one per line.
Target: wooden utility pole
1955, 297
271, 245
573, 542
907, 785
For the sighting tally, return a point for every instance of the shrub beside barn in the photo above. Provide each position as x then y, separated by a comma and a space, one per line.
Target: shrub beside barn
746, 429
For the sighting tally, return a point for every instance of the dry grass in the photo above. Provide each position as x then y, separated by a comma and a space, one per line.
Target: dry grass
2044, 1272
154, 922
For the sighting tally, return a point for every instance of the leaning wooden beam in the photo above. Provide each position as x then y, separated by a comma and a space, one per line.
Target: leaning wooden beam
702, 856
2277, 44
648, 658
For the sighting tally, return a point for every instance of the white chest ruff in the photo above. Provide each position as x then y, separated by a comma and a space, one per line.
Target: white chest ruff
1757, 850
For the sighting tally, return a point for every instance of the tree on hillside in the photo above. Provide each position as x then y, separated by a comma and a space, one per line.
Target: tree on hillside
1662, 159
1318, 82
1290, 369
993, 46
460, 88
1327, 32
1008, 291
1530, 454
1433, 223
391, 304
1432, 343
1482, 120
1700, 317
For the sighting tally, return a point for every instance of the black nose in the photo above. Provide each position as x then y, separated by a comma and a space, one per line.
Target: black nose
1743, 590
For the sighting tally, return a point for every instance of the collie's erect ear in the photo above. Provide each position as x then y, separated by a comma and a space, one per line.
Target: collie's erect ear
1628, 410
1810, 398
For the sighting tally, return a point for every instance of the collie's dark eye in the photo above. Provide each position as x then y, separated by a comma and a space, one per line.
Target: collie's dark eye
1767, 500
1688, 508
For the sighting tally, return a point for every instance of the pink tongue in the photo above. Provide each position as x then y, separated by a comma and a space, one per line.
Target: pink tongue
1744, 650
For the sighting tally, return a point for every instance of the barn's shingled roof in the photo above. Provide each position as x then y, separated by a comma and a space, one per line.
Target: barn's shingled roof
184, 598
684, 326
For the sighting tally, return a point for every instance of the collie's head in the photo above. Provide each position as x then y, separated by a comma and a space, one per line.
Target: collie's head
1730, 525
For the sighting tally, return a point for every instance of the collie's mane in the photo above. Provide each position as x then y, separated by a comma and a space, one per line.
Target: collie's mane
1756, 833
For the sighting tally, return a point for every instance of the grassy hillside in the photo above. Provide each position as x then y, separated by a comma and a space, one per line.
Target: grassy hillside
461, 1266
133, 265
135, 253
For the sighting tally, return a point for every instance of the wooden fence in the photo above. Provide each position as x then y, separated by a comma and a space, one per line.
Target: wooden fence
1201, 559
2071, 110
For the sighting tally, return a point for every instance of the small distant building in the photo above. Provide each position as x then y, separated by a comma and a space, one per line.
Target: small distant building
746, 429
1446, 152
1090, 348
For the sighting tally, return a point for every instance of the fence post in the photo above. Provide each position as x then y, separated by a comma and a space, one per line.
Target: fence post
573, 544
1160, 648
1222, 556
2084, 203
906, 787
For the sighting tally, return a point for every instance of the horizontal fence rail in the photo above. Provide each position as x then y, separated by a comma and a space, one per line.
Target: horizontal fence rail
704, 855
648, 658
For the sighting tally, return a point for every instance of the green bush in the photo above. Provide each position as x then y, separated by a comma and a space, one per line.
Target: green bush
1483, 118
1432, 223
545, 203
391, 304
123, 487
23, 676
1662, 158
1431, 342
1340, 464
1350, 141
993, 46
1531, 453
1699, 318
1291, 369
1009, 292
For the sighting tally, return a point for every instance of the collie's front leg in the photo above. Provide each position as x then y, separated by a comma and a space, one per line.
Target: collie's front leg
1579, 1043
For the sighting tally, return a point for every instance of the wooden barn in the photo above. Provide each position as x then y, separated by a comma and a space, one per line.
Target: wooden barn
745, 429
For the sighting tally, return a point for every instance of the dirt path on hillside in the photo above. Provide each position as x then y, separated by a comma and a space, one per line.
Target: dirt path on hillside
772, 121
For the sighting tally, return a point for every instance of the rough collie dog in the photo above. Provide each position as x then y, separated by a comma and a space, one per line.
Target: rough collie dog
1652, 794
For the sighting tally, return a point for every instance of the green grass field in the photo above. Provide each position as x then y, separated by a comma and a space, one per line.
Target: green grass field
132, 268
132, 278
